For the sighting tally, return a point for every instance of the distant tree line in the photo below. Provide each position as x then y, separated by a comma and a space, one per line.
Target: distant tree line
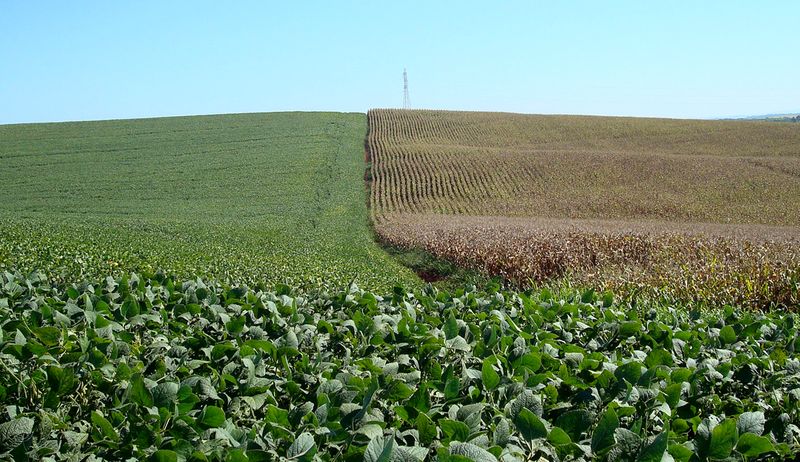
784, 119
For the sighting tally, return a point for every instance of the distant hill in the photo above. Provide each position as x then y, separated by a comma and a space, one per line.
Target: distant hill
791, 117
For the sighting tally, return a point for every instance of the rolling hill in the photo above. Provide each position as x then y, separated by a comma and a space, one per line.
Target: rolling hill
264, 198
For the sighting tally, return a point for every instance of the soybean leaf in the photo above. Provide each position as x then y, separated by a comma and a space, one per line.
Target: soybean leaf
302, 447
723, 439
426, 428
751, 445
164, 455
15, 432
575, 422
603, 436
379, 449
751, 422
212, 417
165, 394
49, 335
139, 393
530, 425
454, 430
104, 427
727, 335
472, 452
557, 436
491, 379
654, 452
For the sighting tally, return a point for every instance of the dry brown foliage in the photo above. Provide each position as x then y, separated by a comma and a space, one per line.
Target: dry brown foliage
704, 210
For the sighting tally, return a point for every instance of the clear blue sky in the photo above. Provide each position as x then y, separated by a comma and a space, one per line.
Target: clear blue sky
118, 59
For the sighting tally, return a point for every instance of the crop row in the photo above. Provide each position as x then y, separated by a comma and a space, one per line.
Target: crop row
691, 209
158, 369
265, 198
440, 162
647, 259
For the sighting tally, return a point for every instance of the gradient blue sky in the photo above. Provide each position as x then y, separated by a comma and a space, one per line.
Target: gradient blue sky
113, 59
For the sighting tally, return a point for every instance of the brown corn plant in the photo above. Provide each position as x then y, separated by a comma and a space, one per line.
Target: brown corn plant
696, 210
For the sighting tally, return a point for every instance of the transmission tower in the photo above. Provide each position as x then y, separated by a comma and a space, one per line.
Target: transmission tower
406, 100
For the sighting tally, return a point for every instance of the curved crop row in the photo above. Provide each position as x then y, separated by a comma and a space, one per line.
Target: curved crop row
448, 181
513, 165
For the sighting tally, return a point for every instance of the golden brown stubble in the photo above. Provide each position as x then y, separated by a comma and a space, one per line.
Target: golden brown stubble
605, 174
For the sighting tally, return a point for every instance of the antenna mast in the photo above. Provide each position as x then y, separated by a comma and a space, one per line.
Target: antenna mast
406, 100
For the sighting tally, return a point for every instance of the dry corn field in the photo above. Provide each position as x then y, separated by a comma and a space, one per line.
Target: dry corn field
703, 210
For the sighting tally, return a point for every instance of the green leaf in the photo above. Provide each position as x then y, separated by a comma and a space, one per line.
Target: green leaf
655, 450
727, 335
723, 439
235, 325
658, 357
303, 446
265, 346
530, 425
198, 456
575, 422
603, 436
472, 452
277, 416
530, 361
409, 454
139, 393
164, 455
130, 307
631, 372
426, 428
450, 327
212, 417
379, 449
751, 422
15, 432
237, 455
558, 436
491, 379
454, 430
526, 400
48, 335
752, 445
165, 394
398, 391
220, 350
680, 453
627, 442
370, 430
104, 427
502, 432
630, 328
673, 394
421, 399
61, 381
73, 293
452, 388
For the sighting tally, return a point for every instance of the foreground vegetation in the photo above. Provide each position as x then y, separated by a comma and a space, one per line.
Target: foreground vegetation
693, 210
161, 369
252, 197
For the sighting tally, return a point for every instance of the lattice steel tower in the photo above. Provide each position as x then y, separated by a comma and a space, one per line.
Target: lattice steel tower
406, 100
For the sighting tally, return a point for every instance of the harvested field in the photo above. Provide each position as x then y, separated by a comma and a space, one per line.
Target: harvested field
703, 210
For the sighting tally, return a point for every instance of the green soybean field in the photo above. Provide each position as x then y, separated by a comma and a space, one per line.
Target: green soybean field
169, 370
265, 198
